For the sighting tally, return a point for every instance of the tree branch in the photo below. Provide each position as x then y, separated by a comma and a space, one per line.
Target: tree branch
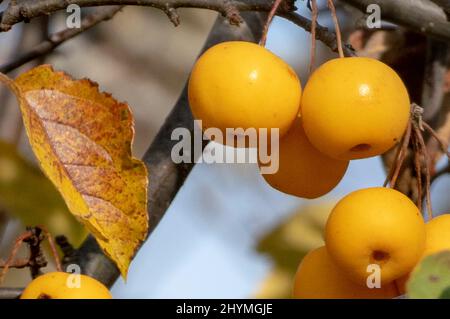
24, 11
166, 177
56, 39
437, 62
322, 33
445, 5
422, 16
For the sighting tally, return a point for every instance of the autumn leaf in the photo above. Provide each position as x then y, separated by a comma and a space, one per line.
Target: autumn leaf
82, 139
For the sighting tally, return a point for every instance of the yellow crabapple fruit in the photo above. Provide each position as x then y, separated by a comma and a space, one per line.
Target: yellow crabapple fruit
318, 277
304, 171
354, 108
61, 285
240, 84
375, 226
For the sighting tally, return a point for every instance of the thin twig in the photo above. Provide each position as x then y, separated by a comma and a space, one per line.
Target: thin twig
337, 28
272, 13
418, 170
5, 79
401, 156
18, 263
314, 16
53, 249
17, 244
424, 151
397, 157
443, 144
56, 39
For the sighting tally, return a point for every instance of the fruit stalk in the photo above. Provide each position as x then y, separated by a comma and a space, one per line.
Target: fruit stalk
337, 28
270, 17
315, 14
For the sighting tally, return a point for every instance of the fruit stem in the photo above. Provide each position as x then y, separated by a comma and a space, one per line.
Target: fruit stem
435, 135
10, 84
424, 151
400, 157
5, 79
315, 14
272, 12
17, 244
53, 249
337, 28
418, 168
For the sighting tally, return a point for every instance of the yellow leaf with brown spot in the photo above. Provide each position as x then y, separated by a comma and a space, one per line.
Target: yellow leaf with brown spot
82, 139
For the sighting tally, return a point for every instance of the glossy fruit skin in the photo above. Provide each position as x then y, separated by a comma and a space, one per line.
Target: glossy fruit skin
54, 286
319, 277
437, 235
375, 226
240, 84
303, 170
354, 108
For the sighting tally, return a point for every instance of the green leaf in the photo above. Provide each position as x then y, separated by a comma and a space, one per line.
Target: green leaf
445, 294
431, 278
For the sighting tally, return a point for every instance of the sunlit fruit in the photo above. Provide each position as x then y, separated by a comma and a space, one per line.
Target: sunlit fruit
354, 108
243, 85
375, 226
319, 277
61, 285
437, 239
437, 235
304, 171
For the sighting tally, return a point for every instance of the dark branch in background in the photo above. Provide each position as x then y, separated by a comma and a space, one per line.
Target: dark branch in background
24, 11
422, 16
437, 64
54, 40
438, 60
445, 5
232, 14
166, 177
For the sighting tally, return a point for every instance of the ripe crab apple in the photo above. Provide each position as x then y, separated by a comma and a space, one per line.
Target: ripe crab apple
319, 277
375, 226
60, 285
304, 171
354, 108
437, 233
240, 84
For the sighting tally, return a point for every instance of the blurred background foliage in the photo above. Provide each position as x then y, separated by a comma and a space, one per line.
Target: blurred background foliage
26, 194
286, 248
